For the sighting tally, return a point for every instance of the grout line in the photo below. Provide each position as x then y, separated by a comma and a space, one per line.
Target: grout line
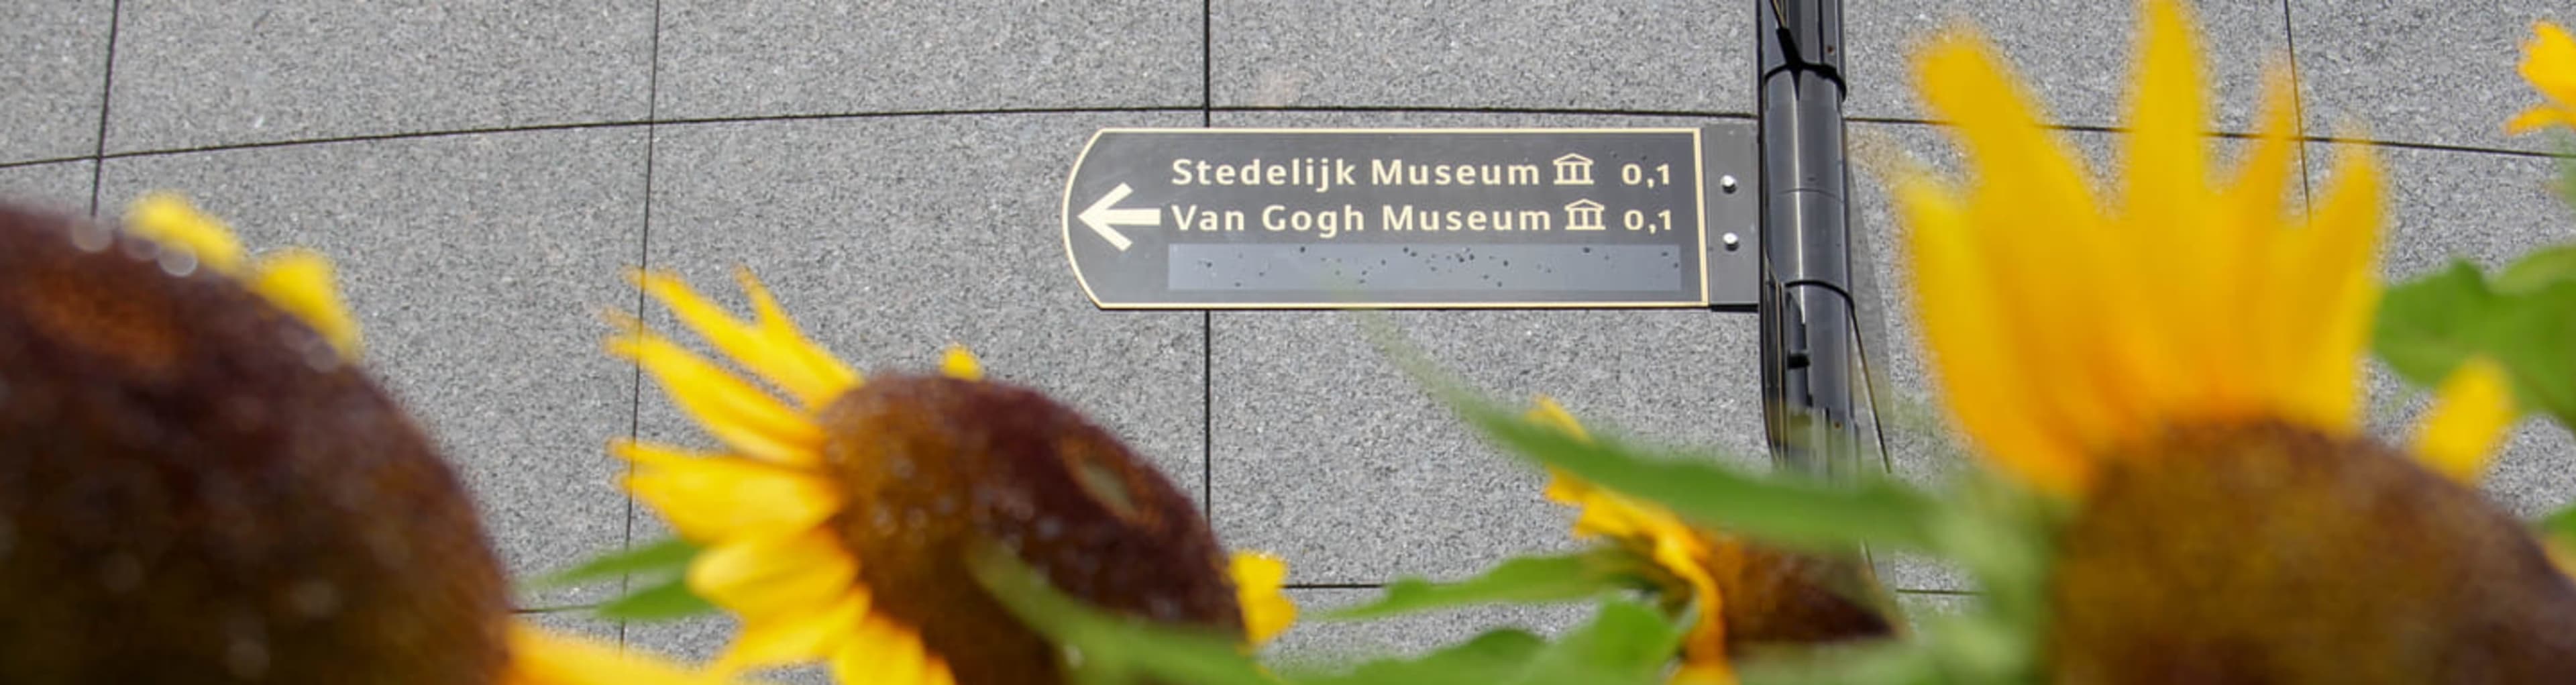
1207, 318
1207, 63
1919, 121
2233, 135
625, 123
524, 611
106, 90
1746, 116
1207, 417
1205, 111
50, 160
2298, 107
643, 260
1333, 586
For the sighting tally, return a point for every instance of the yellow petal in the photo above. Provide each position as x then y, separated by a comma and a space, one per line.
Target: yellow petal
746, 419
1973, 358
2254, 207
1258, 579
2538, 117
936, 672
2549, 63
711, 497
777, 576
775, 325
960, 363
2168, 200
538, 657
1703, 674
1685, 555
299, 281
2035, 221
2562, 555
766, 355
172, 221
879, 651
799, 638
2469, 417
1548, 413
1561, 487
2326, 282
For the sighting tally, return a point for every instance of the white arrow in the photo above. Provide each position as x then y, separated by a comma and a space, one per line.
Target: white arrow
1101, 218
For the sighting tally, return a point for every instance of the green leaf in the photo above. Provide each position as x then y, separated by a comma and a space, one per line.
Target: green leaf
1488, 658
2526, 322
2567, 170
1977, 648
2567, 180
2537, 271
1627, 643
670, 557
1523, 580
663, 602
1783, 507
1114, 649
1898, 663
2426, 327
2561, 525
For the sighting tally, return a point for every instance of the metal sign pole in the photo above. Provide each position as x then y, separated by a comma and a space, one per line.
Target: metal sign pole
1806, 304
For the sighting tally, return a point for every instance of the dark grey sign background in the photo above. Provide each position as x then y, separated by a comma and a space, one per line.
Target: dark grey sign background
1258, 268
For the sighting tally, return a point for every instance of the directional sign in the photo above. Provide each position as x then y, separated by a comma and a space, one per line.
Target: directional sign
1311, 218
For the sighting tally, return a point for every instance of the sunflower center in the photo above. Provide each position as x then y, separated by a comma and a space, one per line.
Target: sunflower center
184, 498
75, 296
2271, 553
1773, 596
935, 465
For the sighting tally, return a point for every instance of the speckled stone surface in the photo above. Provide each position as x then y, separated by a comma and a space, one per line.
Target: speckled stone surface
57, 187
2419, 71
1329, 456
1667, 57
56, 68
772, 57
2077, 57
201, 73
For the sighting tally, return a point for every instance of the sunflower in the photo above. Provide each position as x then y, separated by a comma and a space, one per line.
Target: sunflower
2182, 369
1742, 594
837, 521
2549, 63
258, 510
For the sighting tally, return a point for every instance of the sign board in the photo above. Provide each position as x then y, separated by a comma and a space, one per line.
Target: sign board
1416, 218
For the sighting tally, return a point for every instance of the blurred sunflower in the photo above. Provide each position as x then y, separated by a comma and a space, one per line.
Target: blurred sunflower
2182, 369
199, 485
1744, 594
2549, 63
838, 523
